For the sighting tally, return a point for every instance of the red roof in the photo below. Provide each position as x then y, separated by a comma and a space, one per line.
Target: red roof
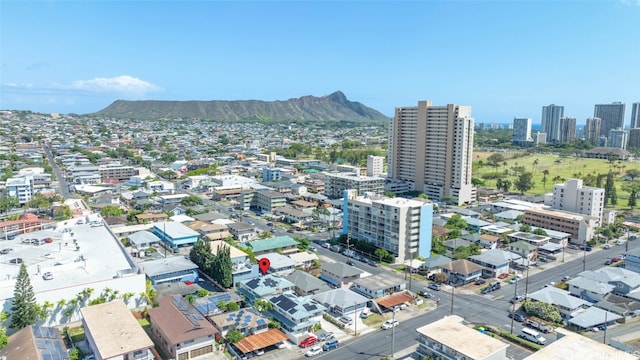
261, 340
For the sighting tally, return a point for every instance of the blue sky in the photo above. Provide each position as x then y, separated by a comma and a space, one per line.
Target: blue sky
503, 58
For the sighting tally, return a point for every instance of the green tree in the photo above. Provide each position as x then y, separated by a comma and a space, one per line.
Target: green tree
495, 160
539, 231
62, 213
110, 210
461, 252
545, 173
440, 277
8, 202
524, 182
381, 253
233, 336
525, 228
25, 310
4, 339
233, 306
191, 200
262, 306
456, 224
303, 243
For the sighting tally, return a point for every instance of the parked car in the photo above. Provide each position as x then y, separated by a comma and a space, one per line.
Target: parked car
280, 345
308, 341
346, 320
588, 248
350, 262
292, 231
434, 286
48, 240
619, 242
566, 277
325, 336
503, 276
389, 324
425, 294
372, 263
259, 352
313, 351
5, 251
326, 245
514, 280
516, 299
480, 282
330, 345
313, 248
606, 246
517, 316
16, 261
47, 276
608, 262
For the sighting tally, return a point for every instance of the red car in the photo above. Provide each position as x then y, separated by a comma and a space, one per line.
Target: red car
48, 240
503, 276
310, 340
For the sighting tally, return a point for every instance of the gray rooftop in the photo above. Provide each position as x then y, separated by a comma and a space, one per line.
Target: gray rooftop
380, 281
554, 296
436, 261
341, 297
593, 316
307, 282
167, 265
341, 269
143, 237
278, 261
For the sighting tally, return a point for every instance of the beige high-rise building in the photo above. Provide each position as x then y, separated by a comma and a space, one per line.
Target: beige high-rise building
375, 165
432, 147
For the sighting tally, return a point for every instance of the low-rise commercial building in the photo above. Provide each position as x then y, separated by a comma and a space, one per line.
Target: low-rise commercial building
581, 227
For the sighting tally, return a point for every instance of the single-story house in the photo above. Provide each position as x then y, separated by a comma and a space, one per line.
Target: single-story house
279, 264
263, 287
341, 301
462, 271
175, 234
380, 285
303, 259
566, 303
307, 284
248, 321
280, 244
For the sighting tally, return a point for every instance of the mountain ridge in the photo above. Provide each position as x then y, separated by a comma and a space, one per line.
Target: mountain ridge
332, 107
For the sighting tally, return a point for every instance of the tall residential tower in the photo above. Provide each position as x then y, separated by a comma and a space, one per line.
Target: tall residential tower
432, 147
551, 116
635, 115
521, 131
611, 116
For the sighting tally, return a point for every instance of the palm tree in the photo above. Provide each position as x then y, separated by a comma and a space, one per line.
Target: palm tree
545, 172
535, 164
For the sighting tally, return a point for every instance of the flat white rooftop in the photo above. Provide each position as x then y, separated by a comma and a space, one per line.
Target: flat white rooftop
98, 257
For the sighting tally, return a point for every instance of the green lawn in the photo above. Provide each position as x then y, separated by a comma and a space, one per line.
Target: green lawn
76, 334
563, 166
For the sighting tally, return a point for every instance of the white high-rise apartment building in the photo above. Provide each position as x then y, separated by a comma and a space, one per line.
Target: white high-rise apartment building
400, 226
375, 165
551, 116
574, 197
432, 148
21, 188
521, 130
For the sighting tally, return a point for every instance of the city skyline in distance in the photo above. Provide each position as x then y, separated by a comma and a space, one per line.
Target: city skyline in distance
503, 59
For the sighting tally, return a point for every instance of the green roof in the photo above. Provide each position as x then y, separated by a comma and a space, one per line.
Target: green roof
271, 244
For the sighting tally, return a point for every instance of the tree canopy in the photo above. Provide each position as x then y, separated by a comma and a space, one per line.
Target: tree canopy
25, 310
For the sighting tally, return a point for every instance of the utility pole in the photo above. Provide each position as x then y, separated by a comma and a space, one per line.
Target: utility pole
453, 290
355, 319
627, 244
604, 340
584, 257
526, 283
513, 307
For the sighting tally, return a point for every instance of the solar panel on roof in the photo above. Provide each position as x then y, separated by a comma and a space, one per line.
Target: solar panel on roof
41, 343
261, 322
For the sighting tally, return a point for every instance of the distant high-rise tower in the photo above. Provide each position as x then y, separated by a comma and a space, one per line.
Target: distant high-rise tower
551, 116
432, 147
635, 115
611, 116
375, 165
521, 131
567, 129
618, 138
592, 130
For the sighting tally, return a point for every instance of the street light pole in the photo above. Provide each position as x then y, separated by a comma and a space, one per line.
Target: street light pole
355, 318
513, 307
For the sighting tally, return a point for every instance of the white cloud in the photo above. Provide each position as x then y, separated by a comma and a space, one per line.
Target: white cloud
119, 84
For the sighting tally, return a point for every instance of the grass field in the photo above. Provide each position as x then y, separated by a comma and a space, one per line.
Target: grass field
563, 166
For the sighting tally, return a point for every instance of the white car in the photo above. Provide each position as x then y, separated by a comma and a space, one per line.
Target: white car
47, 276
389, 324
313, 351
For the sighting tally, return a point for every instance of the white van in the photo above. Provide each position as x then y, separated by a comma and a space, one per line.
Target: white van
532, 335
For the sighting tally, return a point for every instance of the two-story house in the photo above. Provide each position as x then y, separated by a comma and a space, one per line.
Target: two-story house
180, 330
